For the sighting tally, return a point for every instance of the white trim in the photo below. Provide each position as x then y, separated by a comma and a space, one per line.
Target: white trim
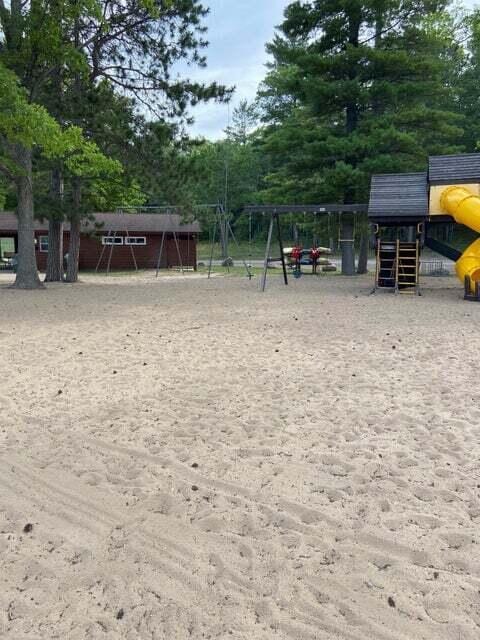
40, 238
136, 240
109, 240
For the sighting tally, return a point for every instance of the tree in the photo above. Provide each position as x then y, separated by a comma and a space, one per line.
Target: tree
31, 45
130, 49
245, 119
24, 127
62, 50
468, 82
356, 88
97, 183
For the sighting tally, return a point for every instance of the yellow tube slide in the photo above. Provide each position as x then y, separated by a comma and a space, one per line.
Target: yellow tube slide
464, 207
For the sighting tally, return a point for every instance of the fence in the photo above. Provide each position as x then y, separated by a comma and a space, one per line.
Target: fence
433, 268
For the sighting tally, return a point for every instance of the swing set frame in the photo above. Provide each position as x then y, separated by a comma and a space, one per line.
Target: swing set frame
275, 211
222, 223
166, 211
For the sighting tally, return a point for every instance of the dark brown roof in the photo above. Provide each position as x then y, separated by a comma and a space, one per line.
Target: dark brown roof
394, 195
454, 169
120, 222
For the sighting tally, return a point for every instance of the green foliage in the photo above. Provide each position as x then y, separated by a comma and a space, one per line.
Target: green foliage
356, 89
3, 194
245, 118
468, 83
22, 122
31, 126
228, 173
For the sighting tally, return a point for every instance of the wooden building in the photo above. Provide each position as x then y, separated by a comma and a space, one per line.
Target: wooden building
119, 237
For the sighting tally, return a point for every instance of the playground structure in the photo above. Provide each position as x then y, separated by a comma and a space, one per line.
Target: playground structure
414, 203
221, 224
276, 211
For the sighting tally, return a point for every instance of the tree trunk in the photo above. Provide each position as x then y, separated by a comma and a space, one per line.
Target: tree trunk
348, 250
54, 271
73, 250
75, 224
27, 272
362, 266
55, 251
352, 110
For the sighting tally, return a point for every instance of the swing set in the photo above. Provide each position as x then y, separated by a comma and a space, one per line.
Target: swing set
276, 211
168, 229
222, 225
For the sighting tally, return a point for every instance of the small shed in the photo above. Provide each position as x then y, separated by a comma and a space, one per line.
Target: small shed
118, 235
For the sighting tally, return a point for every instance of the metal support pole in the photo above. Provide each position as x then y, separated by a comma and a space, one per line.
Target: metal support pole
280, 246
132, 251
178, 250
229, 228
111, 252
214, 234
101, 255
263, 283
160, 253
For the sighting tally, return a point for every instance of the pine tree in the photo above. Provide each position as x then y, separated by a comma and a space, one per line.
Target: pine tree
245, 119
356, 88
468, 83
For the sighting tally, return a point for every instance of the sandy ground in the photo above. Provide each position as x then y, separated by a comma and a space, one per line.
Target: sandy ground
187, 458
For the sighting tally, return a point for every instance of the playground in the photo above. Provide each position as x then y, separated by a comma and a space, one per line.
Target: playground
191, 459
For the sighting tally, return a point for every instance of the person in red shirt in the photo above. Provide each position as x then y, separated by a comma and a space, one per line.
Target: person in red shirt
314, 256
296, 257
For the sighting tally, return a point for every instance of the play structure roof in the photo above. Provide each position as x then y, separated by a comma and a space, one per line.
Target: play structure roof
462, 168
397, 195
120, 222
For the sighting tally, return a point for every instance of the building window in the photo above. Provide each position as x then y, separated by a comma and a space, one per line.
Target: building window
136, 240
43, 244
112, 240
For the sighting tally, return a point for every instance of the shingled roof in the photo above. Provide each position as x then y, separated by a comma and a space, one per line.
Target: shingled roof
463, 168
119, 222
398, 195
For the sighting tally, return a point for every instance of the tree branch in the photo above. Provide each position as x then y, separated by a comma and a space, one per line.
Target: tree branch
6, 172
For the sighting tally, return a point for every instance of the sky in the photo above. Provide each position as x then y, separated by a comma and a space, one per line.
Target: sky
237, 32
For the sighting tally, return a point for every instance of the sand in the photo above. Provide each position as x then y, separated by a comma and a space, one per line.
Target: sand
186, 458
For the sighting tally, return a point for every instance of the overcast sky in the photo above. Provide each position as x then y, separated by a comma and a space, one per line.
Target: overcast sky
238, 31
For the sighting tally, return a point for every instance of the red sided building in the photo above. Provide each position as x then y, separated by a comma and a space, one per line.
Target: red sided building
121, 239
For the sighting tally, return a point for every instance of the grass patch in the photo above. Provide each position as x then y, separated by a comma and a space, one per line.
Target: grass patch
254, 251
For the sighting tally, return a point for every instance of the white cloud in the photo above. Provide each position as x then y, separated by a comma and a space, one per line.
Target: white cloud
238, 33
